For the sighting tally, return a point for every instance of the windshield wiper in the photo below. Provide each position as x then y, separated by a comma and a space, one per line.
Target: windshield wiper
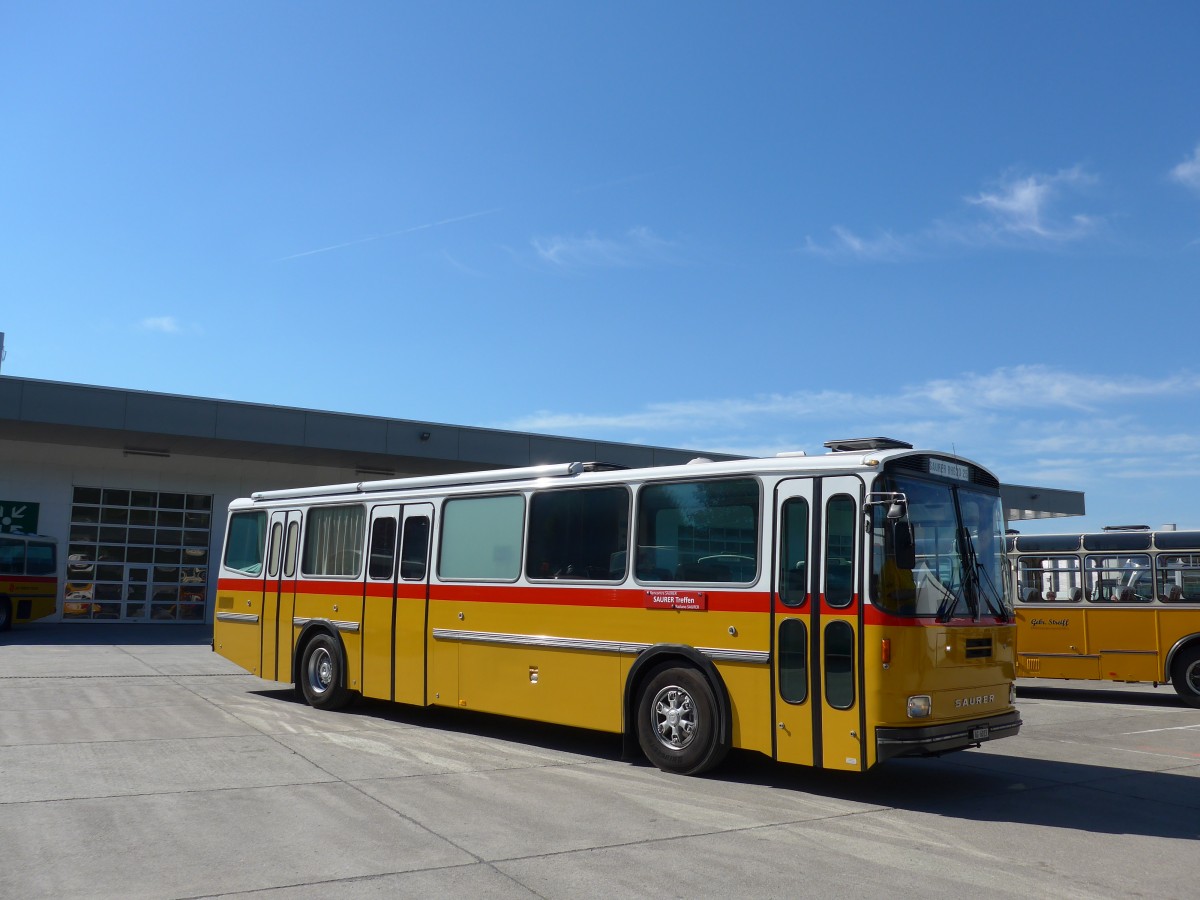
976, 588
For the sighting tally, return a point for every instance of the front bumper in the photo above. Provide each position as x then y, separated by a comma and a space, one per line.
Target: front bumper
934, 740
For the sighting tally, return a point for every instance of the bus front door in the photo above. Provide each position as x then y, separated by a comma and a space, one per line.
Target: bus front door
817, 623
410, 635
279, 594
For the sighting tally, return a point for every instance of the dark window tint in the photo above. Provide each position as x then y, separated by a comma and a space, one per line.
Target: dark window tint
839, 665
839, 550
793, 552
383, 548
793, 661
700, 531
578, 534
414, 549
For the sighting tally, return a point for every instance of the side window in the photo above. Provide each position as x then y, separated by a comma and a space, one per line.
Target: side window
293, 547
275, 548
481, 538
1179, 578
699, 531
839, 550
1049, 579
244, 542
793, 661
333, 541
793, 553
414, 549
383, 548
839, 665
12, 556
41, 559
1119, 579
578, 534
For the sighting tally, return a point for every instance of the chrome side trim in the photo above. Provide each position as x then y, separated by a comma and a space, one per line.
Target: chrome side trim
249, 618
301, 621
761, 657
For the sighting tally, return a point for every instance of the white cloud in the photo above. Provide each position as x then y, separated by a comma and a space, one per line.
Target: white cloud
638, 246
1013, 211
1187, 172
164, 324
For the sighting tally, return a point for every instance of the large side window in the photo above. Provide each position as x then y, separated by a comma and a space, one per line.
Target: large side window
839, 550
1179, 577
578, 534
481, 538
793, 553
1119, 578
333, 541
698, 531
1049, 579
12, 556
244, 542
41, 558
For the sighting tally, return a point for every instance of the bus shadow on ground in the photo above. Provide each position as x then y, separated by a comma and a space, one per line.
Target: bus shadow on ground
968, 785
94, 634
1164, 697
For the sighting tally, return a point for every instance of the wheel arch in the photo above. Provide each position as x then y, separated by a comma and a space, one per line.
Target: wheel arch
1184, 643
654, 658
311, 629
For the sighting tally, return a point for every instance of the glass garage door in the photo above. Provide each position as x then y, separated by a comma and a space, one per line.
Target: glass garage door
137, 556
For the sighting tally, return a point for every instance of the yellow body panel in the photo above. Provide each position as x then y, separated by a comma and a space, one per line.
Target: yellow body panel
1101, 642
40, 593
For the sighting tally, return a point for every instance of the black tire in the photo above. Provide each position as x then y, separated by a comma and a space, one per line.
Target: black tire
5, 614
1185, 675
321, 674
677, 722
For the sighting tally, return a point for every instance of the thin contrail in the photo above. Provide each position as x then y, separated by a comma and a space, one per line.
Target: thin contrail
379, 237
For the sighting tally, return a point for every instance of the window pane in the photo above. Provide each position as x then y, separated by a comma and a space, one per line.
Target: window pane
793, 661
414, 550
12, 556
793, 553
839, 665
1179, 578
481, 538
578, 534
1119, 578
705, 531
839, 551
383, 548
334, 540
275, 549
1049, 579
244, 546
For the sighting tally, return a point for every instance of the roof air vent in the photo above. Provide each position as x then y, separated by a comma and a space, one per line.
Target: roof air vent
857, 445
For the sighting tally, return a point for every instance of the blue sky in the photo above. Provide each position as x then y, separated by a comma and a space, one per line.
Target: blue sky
734, 227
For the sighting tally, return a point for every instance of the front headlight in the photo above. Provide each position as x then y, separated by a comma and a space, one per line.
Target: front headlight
920, 706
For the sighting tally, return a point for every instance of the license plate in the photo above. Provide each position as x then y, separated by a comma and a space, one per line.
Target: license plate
979, 733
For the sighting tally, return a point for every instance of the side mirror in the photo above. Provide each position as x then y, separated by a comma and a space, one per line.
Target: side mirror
904, 545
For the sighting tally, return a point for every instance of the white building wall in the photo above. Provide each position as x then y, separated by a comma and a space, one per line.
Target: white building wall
47, 474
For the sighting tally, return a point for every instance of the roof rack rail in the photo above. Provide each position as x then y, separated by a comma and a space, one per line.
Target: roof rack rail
453, 479
856, 445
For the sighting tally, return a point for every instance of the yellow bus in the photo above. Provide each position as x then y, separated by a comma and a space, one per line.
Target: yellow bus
1122, 604
28, 578
831, 610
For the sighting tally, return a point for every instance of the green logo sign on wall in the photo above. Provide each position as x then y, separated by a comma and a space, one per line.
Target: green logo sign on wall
18, 517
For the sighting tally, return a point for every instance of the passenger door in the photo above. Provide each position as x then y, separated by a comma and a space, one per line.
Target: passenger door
817, 613
411, 632
279, 594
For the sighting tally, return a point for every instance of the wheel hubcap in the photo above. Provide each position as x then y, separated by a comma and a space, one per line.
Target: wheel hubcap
674, 717
320, 671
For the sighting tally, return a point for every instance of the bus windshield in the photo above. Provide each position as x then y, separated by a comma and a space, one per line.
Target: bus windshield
959, 537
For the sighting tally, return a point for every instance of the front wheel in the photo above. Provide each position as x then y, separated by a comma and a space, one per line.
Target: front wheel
1185, 676
321, 674
677, 725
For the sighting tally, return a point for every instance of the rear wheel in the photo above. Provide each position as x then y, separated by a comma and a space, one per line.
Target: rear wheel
1185, 675
321, 674
677, 725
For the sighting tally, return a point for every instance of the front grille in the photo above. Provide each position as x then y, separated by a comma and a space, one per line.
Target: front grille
978, 648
